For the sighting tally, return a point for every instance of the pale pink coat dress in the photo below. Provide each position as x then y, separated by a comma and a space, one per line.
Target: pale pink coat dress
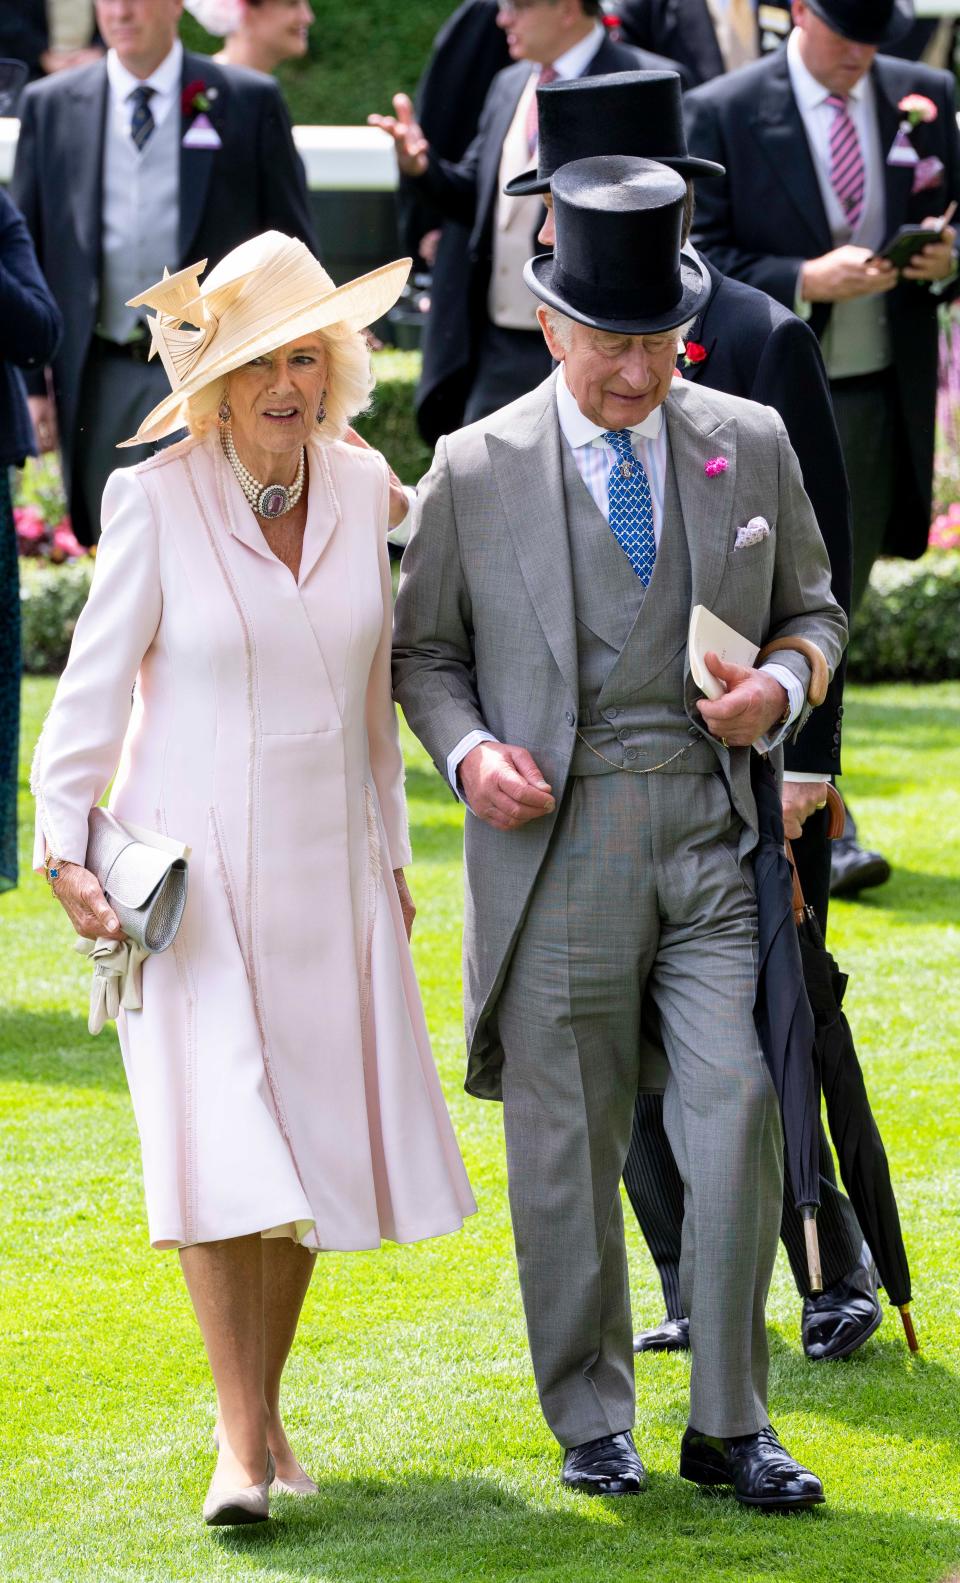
280, 1068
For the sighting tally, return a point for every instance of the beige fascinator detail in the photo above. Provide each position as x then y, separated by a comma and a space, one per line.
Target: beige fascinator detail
263, 294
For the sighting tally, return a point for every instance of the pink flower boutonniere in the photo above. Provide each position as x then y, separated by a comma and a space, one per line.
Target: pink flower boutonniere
694, 353
716, 466
917, 110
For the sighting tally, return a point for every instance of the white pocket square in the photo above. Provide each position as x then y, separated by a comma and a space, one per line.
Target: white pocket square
756, 529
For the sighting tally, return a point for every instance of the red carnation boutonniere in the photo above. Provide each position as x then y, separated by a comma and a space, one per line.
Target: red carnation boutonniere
196, 102
694, 353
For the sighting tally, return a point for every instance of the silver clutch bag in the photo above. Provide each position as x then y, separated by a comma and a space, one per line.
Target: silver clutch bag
145, 881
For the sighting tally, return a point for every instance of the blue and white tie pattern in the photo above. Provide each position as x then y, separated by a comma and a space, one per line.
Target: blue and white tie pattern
142, 123
631, 506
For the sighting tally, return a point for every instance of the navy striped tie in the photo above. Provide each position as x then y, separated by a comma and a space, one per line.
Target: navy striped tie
142, 123
847, 174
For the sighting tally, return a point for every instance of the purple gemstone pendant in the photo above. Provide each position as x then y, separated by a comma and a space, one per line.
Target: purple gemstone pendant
273, 502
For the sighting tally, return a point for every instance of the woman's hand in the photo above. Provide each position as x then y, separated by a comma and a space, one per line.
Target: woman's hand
79, 894
406, 901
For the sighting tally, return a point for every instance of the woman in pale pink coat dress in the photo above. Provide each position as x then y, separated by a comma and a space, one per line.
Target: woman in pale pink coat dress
280, 1068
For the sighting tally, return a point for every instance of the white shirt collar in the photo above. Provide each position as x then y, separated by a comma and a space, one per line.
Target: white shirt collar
578, 430
164, 80
574, 62
808, 92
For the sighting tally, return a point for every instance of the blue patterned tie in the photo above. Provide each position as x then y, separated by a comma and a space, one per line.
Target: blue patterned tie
631, 506
142, 123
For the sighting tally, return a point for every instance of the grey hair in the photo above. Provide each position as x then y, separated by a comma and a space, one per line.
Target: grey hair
349, 388
559, 325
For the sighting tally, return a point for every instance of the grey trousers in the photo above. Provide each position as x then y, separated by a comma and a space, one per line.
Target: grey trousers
115, 396
642, 889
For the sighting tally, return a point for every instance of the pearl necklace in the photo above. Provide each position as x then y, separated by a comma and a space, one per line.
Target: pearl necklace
267, 500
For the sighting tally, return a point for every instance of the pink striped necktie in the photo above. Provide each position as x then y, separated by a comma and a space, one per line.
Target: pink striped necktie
847, 174
547, 74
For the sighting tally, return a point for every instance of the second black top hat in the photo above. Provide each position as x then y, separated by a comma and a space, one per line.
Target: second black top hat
635, 113
866, 21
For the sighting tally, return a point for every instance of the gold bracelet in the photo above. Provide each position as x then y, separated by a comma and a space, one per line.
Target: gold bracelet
51, 868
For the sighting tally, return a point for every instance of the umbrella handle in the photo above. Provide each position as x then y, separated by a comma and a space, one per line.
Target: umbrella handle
812, 1241
909, 1331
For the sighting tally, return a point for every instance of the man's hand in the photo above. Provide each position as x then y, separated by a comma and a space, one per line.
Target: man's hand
800, 800
936, 261
753, 702
399, 500
844, 273
408, 139
503, 786
43, 415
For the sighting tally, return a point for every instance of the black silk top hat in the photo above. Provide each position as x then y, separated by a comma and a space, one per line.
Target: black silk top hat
865, 21
638, 113
617, 263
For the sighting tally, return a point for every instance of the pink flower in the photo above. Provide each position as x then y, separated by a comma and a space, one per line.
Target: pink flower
716, 466
945, 530
917, 108
30, 526
65, 541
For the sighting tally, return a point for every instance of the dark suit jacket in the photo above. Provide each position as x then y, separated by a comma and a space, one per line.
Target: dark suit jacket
467, 53
30, 326
760, 350
766, 217
466, 192
253, 183
685, 30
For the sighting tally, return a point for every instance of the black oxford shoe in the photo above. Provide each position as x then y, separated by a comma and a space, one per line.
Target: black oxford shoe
839, 1321
608, 1466
761, 1472
672, 1336
853, 868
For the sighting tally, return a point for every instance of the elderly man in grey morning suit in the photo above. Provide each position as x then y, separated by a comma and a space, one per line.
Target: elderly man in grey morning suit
540, 656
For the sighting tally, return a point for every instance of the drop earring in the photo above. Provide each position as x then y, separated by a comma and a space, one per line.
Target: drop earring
321, 411
223, 411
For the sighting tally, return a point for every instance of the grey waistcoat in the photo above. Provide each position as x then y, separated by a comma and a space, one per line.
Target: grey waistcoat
141, 219
631, 642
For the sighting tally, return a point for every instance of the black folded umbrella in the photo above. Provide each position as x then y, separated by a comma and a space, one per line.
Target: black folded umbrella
782, 1010
861, 1156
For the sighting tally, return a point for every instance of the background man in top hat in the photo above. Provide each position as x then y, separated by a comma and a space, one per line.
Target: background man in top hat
540, 648
819, 176
149, 159
482, 346
748, 345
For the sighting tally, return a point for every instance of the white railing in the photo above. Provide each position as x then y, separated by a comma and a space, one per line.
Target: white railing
337, 158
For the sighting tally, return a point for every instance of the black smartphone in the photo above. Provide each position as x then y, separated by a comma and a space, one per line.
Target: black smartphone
906, 243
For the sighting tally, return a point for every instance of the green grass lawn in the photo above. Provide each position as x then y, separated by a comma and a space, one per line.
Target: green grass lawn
410, 1395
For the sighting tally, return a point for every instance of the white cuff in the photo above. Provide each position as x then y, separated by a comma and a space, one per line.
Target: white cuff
802, 308
455, 759
806, 777
796, 695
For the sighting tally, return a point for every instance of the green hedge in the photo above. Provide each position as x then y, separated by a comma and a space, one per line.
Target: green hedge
908, 627
391, 425
359, 57
51, 599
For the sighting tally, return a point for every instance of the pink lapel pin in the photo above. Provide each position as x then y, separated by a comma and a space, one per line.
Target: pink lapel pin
716, 466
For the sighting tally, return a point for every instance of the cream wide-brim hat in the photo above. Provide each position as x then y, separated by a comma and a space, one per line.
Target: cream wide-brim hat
267, 292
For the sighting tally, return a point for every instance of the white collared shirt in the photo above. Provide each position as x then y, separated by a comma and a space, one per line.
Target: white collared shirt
594, 456
165, 82
817, 116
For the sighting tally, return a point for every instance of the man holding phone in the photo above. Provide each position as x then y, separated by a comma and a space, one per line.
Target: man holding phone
830, 148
